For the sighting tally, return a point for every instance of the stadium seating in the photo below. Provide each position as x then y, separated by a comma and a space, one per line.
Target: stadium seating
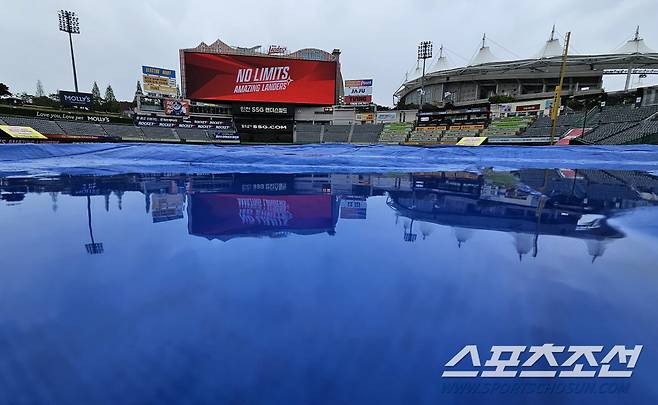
544, 131
395, 132
193, 135
336, 133
626, 114
125, 132
425, 136
2, 122
366, 133
634, 134
605, 131
43, 126
308, 133
453, 136
81, 128
158, 134
506, 126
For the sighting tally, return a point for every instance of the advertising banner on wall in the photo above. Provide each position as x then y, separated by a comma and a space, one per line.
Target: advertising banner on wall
264, 126
159, 81
183, 122
358, 91
176, 107
259, 79
387, 117
71, 99
365, 116
279, 110
64, 115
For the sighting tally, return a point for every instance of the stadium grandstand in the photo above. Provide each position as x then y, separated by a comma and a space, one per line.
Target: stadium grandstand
486, 75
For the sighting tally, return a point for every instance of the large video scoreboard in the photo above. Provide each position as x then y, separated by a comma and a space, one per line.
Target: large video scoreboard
261, 79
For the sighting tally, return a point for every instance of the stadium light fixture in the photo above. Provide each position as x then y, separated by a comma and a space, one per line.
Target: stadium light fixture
69, 23
424, 53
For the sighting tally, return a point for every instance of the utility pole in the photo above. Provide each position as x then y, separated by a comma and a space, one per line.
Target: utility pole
557, 98
68, 22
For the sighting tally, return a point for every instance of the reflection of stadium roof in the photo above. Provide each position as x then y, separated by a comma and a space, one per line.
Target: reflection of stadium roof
496, 217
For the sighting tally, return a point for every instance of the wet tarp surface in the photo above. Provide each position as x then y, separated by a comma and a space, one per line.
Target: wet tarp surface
157, 158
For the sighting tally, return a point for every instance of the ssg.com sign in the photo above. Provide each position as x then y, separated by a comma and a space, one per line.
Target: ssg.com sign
71, 99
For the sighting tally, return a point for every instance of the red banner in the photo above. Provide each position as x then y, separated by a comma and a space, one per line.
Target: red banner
259, 79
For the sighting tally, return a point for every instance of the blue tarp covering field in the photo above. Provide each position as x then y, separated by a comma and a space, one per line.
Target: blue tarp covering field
45, 159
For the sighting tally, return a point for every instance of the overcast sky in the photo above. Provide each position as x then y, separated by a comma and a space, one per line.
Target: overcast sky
378, 39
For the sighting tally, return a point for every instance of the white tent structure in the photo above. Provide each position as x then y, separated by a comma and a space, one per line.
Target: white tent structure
441, 63
551, 48
484, 55
635, 45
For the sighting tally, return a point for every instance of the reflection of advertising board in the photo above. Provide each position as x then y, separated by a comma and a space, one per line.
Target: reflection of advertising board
269, 184
159, 81
280, 110
75, 99
358, 91
353, 208
223, 216
183, 122
167, 207
259, 79
176, 107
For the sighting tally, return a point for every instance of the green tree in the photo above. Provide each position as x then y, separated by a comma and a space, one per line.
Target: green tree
4, 90
96, 96
503, 98
109, 94
40, 92
111, 104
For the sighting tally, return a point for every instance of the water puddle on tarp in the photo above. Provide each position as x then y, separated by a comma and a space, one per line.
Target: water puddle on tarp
325, 287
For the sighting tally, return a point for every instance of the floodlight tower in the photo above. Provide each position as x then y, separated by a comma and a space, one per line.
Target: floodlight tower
68, 22
424, 53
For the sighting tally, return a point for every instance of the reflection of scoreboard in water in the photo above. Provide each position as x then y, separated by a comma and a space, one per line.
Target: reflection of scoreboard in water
226, 216
353, 207
167, 207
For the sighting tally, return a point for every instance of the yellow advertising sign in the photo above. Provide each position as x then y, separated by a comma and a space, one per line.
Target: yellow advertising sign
21, 132
470, 127
435, 128
365, 117
472, 141
155, 84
